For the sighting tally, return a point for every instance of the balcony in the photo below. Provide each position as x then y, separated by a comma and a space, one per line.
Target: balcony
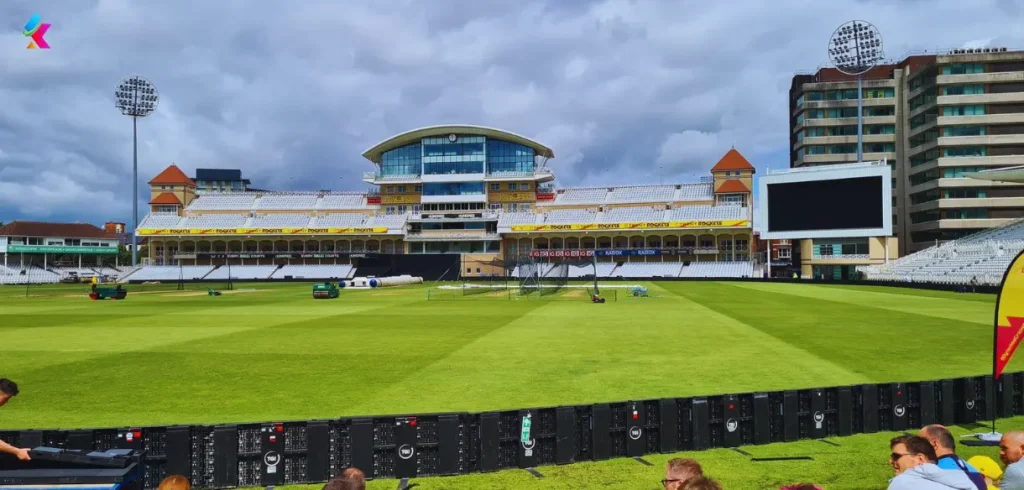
977, 99
539, 174
378, 178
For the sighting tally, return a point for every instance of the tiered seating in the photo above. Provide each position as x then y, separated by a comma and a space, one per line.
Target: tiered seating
982, 257
718, 269
287, 201
509, 219
391, 221
641, 193
107, 271
160, 220
342, 201
569, 216
239, 201
584, 195
242, 272
604, 269
649, 269
214, 221
284, 220
314, 272
338, 220
690, 213
78, 271
632, 215
170, 272
695, 192
16, 274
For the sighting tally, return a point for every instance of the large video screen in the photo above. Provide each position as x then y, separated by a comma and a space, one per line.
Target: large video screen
834, 204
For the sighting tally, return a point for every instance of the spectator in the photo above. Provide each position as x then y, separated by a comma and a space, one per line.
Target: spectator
1011, 448
174, 482
679, 471
350, 479
989, 468
913, 461
701, 483
945, 450
8, 390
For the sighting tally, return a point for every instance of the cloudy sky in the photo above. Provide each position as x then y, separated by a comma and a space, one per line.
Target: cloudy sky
624, 91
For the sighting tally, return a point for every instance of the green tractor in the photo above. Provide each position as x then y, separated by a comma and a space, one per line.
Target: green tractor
113, 293
326, 290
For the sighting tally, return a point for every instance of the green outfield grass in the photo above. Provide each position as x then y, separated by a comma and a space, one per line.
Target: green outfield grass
270, 352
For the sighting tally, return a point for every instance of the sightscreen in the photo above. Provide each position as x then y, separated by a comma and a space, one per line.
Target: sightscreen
834, 204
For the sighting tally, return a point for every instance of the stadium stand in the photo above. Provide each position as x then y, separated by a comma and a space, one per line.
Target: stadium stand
214, 221
568, 216
283, 220
338, 220
981, 257
391, 221
160, 220
651, 269
169, 273
343, 271
287, 201
242, 272
695, 192
641, 193
718, 269
224, 202
583, 195
632, 215
342, 201
521, 218
708, 213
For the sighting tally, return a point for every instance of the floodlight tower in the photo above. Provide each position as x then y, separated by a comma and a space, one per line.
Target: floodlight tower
855, 48
135, 97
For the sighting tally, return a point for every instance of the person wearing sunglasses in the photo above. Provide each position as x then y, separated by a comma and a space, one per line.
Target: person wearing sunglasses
913, 462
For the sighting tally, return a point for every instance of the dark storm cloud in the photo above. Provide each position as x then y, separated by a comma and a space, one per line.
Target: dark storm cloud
622, 90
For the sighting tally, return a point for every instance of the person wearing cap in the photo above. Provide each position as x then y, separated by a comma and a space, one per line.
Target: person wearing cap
988, 468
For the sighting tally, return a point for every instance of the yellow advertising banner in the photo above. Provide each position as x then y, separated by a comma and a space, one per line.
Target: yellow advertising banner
512, 197
400, 199
727, 223
263, 231
1009, 315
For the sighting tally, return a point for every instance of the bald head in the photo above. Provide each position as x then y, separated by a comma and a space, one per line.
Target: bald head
940, 438
1011, 446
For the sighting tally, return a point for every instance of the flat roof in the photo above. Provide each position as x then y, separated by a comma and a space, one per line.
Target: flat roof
373, 154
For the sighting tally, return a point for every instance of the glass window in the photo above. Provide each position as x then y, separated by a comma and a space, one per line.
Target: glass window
963, 131
843, 94
509, 158
402, 161
524, 207
418, 188
842, 149
974, 89
879, 93
512, 207
963, 110
511, 186
878, 147
815, 96
963, 69
879, 111
842, 112
453, 188
815, 150
390, 189
495, 206
524, 186
964, 151
495, 187
401, 189
878, 129
800, 101
815, 114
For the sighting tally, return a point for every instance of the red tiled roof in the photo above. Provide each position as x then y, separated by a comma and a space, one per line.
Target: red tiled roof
65, 230
732, 187
172, 175
732, 161
166, 198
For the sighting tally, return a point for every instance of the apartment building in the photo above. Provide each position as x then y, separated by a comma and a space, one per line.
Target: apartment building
936, 118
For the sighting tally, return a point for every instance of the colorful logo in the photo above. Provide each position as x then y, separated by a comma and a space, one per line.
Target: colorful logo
36, 30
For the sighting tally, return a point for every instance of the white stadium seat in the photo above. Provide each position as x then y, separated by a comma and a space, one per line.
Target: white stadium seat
570, 216
583, 195
284, 220
287, 201
343, 271
521, 218
214, 221
698, 212
633, 215
241, 272
641, 193
338, 220
695, 192
649, 269
170, 273
718, 269
342, 201
160, 220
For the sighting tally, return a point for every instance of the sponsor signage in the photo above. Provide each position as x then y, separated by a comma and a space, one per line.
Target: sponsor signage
642, 252
400, 199
280, 255
511, 196
263, 231
727, 223
60, 249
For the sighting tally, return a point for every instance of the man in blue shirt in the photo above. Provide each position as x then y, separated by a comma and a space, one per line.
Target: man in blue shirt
945, 451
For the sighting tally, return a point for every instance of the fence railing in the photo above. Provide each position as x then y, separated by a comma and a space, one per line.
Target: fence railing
405, 446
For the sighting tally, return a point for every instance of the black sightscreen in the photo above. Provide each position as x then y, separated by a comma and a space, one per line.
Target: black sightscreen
838, 204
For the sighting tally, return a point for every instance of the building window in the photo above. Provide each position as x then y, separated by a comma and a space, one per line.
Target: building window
879, 93
506, 157
974, 89
842, 112
511, 186
401, 189
525, 186
963, 110
389, 210
524, 207
815, 114
402, 161
815, 150
963, 131
512, 207
785, 252
963, 69
965, 214
815, 96
390, 189
418, 188
879, 111
731, 199
402, 209
495, 206
842, 94
495, 187
453, 189
964, 151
